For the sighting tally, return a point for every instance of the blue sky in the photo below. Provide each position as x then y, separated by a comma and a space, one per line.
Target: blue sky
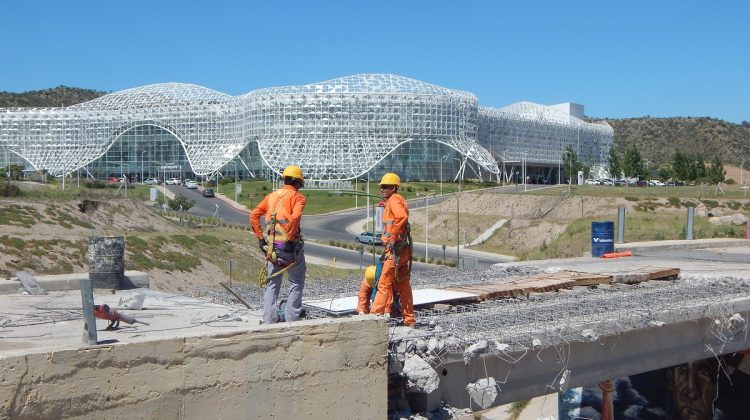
620, 59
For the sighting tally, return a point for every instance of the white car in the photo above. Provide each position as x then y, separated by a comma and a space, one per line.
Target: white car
190, 184
656, 183
174, 181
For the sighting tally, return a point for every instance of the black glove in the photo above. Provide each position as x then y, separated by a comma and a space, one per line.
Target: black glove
289, 247
263, 245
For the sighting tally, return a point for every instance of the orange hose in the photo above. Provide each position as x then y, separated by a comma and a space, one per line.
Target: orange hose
618, 254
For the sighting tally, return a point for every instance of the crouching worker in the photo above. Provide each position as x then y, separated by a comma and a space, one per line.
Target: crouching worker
283, 249
365, 291
397, 254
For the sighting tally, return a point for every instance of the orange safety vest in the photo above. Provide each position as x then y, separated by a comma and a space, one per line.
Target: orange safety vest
286, 204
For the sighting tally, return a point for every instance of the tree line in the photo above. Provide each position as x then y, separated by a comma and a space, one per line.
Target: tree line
686, 167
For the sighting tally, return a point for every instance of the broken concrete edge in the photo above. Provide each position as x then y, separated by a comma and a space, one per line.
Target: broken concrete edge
65, 282
339, 363
453, 376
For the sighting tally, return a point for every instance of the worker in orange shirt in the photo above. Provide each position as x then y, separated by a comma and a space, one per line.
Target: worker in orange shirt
283, 215
397, 253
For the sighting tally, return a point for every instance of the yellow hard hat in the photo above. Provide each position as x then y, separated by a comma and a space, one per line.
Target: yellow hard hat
293, 171
390, 179
370, 275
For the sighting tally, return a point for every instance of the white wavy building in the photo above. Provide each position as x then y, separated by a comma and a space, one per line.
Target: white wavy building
338, 129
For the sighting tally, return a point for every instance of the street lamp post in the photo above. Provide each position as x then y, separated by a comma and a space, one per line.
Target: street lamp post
458, 229
523, 169
142, 153
427, 224
442, 159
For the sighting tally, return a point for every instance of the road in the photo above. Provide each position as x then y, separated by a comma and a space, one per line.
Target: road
333, 226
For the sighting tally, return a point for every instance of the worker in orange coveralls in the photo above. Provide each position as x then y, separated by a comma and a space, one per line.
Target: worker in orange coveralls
285, 207
365, 290
397, 254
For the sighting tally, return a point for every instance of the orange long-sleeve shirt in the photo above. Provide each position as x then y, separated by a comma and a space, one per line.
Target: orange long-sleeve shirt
289, 205
395, 217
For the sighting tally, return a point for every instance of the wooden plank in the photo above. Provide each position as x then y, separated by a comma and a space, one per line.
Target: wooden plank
664, 273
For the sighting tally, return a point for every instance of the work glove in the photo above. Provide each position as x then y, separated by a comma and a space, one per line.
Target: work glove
263, 245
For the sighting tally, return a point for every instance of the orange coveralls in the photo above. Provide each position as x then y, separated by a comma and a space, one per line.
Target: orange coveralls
395, 218
363, 298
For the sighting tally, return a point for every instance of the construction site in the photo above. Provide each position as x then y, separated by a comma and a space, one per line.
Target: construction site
485, 337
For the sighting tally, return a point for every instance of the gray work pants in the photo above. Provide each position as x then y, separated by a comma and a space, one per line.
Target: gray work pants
296, 275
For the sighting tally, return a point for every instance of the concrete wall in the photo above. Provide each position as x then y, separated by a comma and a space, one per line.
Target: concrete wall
309, 369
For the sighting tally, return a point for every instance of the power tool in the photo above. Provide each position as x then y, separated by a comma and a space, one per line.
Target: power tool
114, 317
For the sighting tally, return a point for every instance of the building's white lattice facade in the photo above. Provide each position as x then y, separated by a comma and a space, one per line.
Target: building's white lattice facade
337, 129
539, 135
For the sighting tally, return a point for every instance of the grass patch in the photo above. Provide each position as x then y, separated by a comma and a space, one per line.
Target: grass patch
517, 408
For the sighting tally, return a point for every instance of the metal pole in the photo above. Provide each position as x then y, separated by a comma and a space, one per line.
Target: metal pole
691, 216
235, 180
620, 225
458, 245
373, 235
368, 205
87, 302
426, 225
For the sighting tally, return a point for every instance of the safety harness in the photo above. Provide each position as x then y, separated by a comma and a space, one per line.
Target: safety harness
397, 247
271, 249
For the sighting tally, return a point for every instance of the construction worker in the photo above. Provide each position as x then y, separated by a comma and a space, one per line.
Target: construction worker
397, 252
365, 291
283, 215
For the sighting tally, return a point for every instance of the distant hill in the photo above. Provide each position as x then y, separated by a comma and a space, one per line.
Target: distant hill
55, 97
658, 138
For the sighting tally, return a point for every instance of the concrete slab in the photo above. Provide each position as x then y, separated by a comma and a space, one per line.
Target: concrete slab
52, 322
195, 360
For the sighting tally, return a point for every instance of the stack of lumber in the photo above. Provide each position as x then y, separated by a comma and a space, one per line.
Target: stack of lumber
562, 280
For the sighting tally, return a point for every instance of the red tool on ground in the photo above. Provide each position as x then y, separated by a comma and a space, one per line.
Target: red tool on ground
114, 317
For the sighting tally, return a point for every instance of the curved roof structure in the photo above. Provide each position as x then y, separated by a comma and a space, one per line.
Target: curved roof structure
337, 129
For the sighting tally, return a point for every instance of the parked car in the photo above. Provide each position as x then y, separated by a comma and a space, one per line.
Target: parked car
208, 192
368, 238
152, 181
190, 184
656, 183
641, 183
621, 182
591, 182
174, 181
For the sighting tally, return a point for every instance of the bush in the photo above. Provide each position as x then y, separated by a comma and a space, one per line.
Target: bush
10, 190
180, 201
674, 201
225, 181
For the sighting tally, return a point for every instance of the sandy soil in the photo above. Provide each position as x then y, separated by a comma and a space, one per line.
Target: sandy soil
111, 218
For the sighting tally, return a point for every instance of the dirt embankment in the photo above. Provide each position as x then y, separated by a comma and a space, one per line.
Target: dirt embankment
45, 237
